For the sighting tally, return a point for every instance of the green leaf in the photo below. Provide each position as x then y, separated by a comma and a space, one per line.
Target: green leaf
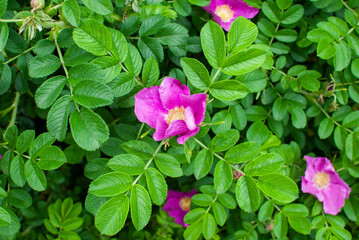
298, 117
4, 34
325, 49
244, 61
196, 73
151, 47
263, 164
203, 200
222, 177
279, 187
156, 185
13, 228
71, 224
141, 149
151, 72
152, 25
133, 61
228, 90
123, 84
194, 215
35, 176
24, 141
71, 11
280, 227
258, 132
247, 194
3, 7
341, 233
112, 215
119, 44
127, 163
5, 78
110, 67
173, 34
57, 118
51, 158
266, 211
193, 232
92, 94
209, 226
286, 35
351, 145
326, 128
241, 34
343, 55
300, 224
182, 7
42, 141
110, 184
279, 109
271, 10
293, 14
213, 43
351, 120
102, 7
168, 165
141, 207
17, 171
295, 210
88, 129
93, 37
224, 141
284, 4
202, 164
243, 152
42, 66
256, 80
19, 198
49, 91
5, 218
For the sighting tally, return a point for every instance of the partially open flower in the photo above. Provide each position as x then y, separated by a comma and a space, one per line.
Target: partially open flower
171, 110
224, 12
237, 175
178, 205
322, 181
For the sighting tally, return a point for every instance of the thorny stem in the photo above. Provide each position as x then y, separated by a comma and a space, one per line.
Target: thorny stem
327, 115
17, 56
14, 111
218, 156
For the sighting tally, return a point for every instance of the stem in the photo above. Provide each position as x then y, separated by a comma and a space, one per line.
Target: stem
55, 7
214, 200
214, 78
347, 6
12, 59
276, 30
136, 80
275, 205
11, 20
327, 115
14, 111
139, 132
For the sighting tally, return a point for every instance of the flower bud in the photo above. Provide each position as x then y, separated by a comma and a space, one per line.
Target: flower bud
37, 4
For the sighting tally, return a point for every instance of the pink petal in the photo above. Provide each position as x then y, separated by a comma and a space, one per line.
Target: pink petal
190, 122
175, 194
184, 137
171, 204
176, 127
170, 91
308, 186
334, 198
161, 127
197, 102
225, 25
179, 218
148, 105
240, 8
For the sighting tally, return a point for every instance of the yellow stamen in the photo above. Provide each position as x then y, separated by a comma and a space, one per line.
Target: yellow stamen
185, 204
178, 113
224, 12
322, 180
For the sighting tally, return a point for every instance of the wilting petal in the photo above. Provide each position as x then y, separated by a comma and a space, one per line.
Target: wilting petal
197, 102
334, 198
148, 106
170, 91
184, 137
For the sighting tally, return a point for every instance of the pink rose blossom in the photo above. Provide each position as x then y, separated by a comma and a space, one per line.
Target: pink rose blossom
171, 110
178, 205
322, 181
224, 12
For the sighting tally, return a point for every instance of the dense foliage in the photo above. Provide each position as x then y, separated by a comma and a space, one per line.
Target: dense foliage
77, 163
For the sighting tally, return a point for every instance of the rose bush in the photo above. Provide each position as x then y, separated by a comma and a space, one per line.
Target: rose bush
182, 119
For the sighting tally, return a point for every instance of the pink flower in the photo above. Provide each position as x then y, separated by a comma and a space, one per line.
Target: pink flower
171, 110
224, 12
322, 181
237, 175
178, 205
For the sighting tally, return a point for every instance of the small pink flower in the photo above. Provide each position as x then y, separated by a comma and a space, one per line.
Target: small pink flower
237, 175
171, 110
322, 181
178, 205
224, 12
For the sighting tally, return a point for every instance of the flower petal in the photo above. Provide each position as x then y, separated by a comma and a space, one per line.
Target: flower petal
184, 137
148, 105
175, 194
197, 102
170, 91
334, 198
176, 127
172, 203
161, 127
190, 122
309, 187
240, 8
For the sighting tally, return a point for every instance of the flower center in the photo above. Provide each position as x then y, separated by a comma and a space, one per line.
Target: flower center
178, 113
185, 204
224, 12
322, 180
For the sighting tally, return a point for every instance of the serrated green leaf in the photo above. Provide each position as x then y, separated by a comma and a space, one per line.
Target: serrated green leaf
326, 128
71, 11
24, 141
168, 165
224, 141
42, 66
48, 92
17, 171
5, 218
202, 164
57, 118
151, 72
263, 164
151, 47
92, 94
127, 163
247, 194
103, 7
196, 73
209, 226
241, 34
19, 198
51, 158
242, 152
35, 177
152, 25
110, 184
141, 207
228, 90
156, 185
4, 34
222, 177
